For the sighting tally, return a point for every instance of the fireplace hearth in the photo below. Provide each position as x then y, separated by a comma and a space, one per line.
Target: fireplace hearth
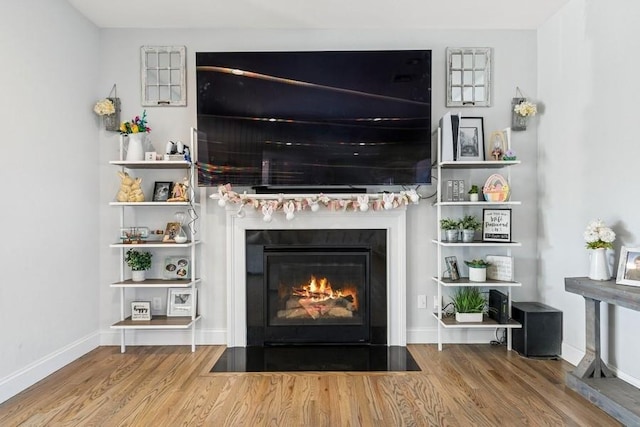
316, 287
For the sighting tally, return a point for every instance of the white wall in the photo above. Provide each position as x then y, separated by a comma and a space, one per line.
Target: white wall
49, 292
515, 64
587, 160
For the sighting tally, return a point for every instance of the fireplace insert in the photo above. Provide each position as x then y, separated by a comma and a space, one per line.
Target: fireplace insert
316, 287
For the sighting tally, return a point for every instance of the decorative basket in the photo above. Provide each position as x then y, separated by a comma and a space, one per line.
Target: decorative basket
496, 189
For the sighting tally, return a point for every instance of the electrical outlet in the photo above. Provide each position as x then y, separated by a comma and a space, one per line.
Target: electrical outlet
435, 302
157, 303
422, 301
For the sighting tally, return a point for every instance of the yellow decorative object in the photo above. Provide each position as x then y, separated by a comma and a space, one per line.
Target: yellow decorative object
130, 189
180, 191
496, 189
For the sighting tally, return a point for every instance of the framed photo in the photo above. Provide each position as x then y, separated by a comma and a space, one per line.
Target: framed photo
496, 225
140, 310
470, 140
501, 268
181, 301
171, 232
162, 191
452, 267
629, 267
176, 267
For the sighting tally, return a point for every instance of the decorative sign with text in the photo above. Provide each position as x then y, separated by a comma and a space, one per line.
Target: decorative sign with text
501, 268
496, 225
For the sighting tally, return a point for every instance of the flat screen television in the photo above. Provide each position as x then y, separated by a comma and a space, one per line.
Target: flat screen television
314, 118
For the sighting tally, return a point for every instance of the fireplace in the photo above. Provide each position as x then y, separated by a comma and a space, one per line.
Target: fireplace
316, 287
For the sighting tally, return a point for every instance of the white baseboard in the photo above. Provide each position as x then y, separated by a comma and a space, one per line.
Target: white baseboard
36, 371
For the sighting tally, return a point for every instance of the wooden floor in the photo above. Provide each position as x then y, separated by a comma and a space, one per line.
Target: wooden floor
464, 385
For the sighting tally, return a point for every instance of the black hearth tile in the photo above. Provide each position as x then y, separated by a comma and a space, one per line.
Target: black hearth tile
334, 358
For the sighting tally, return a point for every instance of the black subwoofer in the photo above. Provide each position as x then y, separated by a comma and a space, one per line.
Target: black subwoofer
541, 332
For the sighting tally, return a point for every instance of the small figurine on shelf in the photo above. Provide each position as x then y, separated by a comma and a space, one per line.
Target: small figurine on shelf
130, 190
509, 155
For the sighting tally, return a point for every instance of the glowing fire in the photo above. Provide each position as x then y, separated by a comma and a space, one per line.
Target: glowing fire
321, 290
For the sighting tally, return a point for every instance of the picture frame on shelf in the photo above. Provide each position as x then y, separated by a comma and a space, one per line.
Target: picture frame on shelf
181, 301
470, 145
162, 191
452, 267
140, 310
496, 225
500, 268
171, 232
176, 268
629, 267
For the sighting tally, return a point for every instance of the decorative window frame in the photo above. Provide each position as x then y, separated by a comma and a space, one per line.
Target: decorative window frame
163, 76
469, 76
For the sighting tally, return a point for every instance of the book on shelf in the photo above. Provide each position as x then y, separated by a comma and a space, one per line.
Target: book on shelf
449, 192
456, 183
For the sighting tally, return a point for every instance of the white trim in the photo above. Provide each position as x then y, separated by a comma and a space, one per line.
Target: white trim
38, 370
394, 221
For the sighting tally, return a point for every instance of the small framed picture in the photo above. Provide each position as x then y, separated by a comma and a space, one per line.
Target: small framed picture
181, 301
140, 310
171, 232
452, 267
176, 267
496, 225
161, 191
471, 140
629, 267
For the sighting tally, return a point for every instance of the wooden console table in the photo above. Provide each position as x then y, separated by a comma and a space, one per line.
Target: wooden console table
592, 378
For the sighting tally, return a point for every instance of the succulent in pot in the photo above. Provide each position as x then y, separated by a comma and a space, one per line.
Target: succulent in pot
469, 304
477, 270
469, 225
473, 193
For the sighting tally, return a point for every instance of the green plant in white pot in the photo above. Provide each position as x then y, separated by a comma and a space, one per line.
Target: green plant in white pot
469, 225
477, 270
451, 227
139, 263
469, 304
473, 193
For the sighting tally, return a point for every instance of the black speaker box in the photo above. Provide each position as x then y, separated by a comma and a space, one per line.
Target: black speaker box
498, 306
541, 332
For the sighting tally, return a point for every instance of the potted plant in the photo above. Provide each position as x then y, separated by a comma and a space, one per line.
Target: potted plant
473, 193
477, 270
139, 263
451, 227
469, 304
469, 224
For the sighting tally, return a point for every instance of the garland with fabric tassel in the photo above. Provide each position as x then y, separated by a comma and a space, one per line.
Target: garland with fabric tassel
290, 205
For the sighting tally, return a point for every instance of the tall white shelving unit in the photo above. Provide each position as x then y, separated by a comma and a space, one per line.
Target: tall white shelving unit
125, 285
451, 248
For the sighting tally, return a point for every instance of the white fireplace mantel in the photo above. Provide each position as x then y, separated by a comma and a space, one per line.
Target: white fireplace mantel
393, 220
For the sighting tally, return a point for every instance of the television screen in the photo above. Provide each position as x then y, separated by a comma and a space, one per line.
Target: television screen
314, 118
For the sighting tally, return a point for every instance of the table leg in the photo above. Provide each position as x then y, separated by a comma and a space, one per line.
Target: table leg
591, 364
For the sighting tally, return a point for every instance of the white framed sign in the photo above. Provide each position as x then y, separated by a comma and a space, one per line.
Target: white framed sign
140, 310
501, 268
496, 225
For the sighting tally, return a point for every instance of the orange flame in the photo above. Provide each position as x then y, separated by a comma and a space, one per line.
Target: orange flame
321, 290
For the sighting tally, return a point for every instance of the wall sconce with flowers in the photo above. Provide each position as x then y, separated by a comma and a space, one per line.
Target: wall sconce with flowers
521, 110
109, 109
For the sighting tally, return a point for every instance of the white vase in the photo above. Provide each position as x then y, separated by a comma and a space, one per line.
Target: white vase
137, 275
135, 149
473, 197
477, 274
598, 265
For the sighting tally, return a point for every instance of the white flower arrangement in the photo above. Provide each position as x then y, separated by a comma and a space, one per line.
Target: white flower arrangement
526, 109
599, 236
104, 107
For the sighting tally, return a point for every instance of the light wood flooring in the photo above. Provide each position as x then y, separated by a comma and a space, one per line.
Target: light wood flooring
464, 385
